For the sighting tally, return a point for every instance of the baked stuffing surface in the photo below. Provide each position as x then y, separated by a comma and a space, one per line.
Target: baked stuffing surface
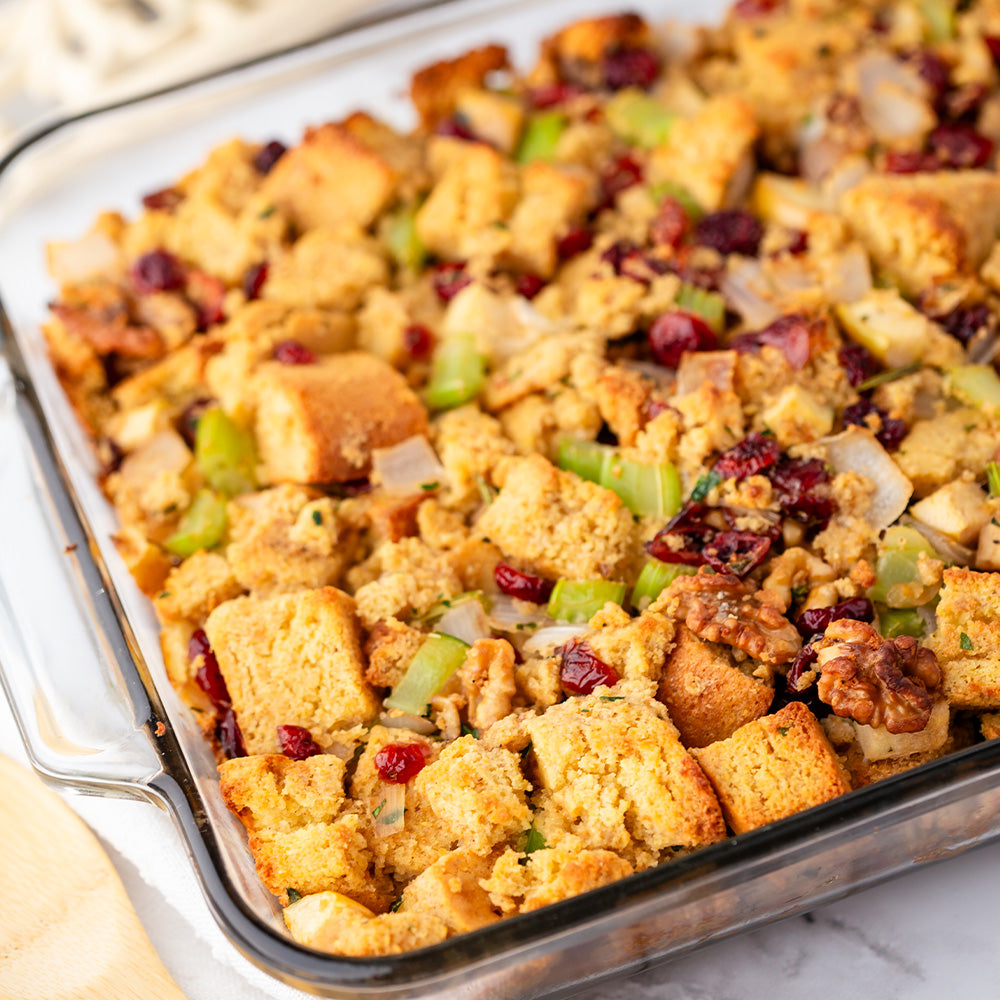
606, 466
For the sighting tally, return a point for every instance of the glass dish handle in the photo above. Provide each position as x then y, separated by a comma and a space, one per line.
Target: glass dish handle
84, 722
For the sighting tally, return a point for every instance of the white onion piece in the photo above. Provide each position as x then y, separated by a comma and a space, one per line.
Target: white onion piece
984, 350
390, 804
856, 450
508, 614
952, 551
818, 158
748, 292
413, 723
893, 97
407, 467
547, 639
848, 275
486, 315
93, 256
163, 452
848, 174
465, 621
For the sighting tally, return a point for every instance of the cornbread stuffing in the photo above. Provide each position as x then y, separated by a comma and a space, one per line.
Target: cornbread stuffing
605, 467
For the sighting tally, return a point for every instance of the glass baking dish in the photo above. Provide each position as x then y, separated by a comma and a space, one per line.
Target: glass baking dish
79, 655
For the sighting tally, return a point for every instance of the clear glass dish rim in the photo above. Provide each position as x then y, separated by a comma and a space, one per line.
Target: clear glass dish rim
911, 793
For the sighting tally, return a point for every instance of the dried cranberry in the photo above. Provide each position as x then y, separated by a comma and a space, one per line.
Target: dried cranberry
456, 127
268, 155
187, 424
736, 552
891, 432
227, 731
292, 352
993, 44
671, 224
683, 537
157, 271
164, 200
574, 242
619, 252
449, 280
933, 70
398, 763
798, 242
791, 334
523, 586
910, 161
730, 231
297, 743
964, 103
635, 67
755, 8
799, 484
581, 671
858, 363
753, 454
805, 658
418, 341
354, 487
964, 322
208, 676
551, 94
816, 620
960, 146
529, 285
676, 333
253, 280
620, 174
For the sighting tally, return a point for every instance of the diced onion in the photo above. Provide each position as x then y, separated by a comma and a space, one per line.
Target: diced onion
465, 621
408, 467
748, 292
165, 452
389, 811
848, 275
93, 256
953, 551
403, 720
547, 639
508, 614
893, 100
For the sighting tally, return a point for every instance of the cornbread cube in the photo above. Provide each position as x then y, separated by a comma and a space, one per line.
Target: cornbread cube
450, 890
330, 179
294, 659
613, 775
635, 647
390, 647
193, 590
330, 921
469, 443
773, 767
435, 88
520, 884
301, 835
284, 538
470, 796
556, 524
319, 423
967, 640
707, 696
575, 52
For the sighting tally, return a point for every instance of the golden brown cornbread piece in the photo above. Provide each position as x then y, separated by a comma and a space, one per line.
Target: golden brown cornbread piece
707, 696
319, 423
294, 659
635, 647
301, 835
285, 538
193, 590
519, 884
967, 639
330, 179
553, 523
612, 774
434, 88
450, 890
389, 648
773, 767
575, 52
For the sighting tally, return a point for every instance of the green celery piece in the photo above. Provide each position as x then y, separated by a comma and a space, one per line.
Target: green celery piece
655, 577
644, 489
975, 384
939, 19
541, 136
638, 118
587, 459
225, 453
437, 659
202, 526
895, 622
400, 235
577, 601
710, 306
993, 478
897, 581
458, 372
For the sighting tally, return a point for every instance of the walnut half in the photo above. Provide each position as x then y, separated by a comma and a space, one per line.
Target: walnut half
876, 681
720, 607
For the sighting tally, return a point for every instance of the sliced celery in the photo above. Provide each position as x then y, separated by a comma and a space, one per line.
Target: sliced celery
458, 372
939, 19
975, 384
541, 137
638, 118
655, 577
577, 601
437, 659
895, 622
993, 478
202, 526
897, 578
400, 234
586, 458
710, 306
225, 453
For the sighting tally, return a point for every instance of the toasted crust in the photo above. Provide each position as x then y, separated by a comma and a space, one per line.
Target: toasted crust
434, 89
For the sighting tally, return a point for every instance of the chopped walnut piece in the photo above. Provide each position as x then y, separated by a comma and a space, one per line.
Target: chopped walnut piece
876, 681
720, 607
488, 681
